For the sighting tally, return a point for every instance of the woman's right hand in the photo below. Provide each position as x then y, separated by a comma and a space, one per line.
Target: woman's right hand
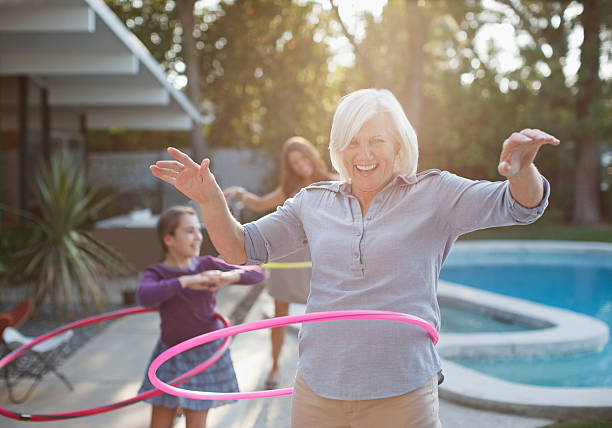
193, 180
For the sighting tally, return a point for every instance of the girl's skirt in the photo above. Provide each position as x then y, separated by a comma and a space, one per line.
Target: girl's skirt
220, 377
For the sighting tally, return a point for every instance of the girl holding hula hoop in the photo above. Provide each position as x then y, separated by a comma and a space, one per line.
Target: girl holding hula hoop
183, 287
301, 166
378, 239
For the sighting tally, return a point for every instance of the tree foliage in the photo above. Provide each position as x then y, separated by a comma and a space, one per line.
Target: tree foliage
470, 103
457, 128
576, 105
157, 26
264, 66
266, 76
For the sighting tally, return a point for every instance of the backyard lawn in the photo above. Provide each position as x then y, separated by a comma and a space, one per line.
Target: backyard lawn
546, 231
583, 425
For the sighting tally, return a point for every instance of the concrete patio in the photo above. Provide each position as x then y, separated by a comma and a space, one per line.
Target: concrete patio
110, 367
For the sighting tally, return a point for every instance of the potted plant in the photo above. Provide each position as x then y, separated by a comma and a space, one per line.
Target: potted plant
63, 262
128, 286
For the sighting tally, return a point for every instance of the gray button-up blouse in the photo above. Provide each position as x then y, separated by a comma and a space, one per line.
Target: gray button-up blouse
389, 259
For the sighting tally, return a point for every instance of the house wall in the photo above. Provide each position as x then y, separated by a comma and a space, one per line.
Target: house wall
129, 172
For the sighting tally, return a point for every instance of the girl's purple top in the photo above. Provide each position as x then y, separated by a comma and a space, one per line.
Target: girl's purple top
186, 313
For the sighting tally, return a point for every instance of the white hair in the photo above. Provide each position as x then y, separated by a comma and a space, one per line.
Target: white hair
354, 110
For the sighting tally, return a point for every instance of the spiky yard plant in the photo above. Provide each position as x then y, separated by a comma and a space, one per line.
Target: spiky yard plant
63, 262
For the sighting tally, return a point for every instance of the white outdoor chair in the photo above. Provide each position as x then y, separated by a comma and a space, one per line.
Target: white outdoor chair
43, 357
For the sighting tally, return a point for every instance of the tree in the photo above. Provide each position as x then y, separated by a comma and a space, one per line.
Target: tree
262, 65
191, 57
420, 51
168, 29
267, 76
579, 100
463, 102
587, 207
395, 53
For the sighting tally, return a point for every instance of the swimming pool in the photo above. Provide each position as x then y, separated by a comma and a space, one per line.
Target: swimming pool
460, 320
563, 275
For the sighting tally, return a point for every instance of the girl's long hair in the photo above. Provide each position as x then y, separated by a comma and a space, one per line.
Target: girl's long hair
290, 182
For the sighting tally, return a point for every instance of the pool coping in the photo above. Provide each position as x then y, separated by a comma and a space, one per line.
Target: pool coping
533, 246
559, 331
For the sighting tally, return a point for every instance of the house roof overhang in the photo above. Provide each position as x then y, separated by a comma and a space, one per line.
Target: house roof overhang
90, 62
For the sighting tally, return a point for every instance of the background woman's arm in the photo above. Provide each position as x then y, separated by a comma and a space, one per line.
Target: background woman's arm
256, 203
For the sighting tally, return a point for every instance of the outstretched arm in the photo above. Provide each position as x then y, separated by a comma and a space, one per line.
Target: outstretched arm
199, 184
516, 163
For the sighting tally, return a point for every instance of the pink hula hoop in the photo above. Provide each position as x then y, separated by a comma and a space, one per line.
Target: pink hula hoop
112, 406
263, 324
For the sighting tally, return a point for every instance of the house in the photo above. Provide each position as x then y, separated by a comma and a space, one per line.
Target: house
69, 66
66, 67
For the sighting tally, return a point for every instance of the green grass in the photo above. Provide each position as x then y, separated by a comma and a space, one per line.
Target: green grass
583, 425
547, 231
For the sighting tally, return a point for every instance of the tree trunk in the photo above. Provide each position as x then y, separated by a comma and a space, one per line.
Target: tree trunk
192, 70
419, 24
586, 193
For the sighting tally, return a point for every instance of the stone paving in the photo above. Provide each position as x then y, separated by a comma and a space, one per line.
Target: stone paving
110, 368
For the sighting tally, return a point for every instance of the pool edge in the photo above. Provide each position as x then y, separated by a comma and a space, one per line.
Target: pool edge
469, 387
475, 389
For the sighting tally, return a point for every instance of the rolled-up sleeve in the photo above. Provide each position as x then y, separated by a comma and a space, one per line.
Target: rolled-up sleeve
255, 245
277, 234
471, 205
524, 215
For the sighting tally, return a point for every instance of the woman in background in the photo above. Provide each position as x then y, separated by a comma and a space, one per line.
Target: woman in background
301, 166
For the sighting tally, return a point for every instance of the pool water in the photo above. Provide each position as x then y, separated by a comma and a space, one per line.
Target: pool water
457, 320
581, 282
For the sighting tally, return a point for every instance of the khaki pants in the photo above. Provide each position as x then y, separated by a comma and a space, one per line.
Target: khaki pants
415, 409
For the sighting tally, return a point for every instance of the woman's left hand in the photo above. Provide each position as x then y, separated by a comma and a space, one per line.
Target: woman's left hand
520, 149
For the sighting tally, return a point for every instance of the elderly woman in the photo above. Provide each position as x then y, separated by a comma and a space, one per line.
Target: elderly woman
378, 239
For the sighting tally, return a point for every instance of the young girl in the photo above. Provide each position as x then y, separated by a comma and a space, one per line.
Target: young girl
183, 287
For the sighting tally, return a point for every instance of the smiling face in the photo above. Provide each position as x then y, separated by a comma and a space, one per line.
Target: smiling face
369, 157
184, 243
300, 164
